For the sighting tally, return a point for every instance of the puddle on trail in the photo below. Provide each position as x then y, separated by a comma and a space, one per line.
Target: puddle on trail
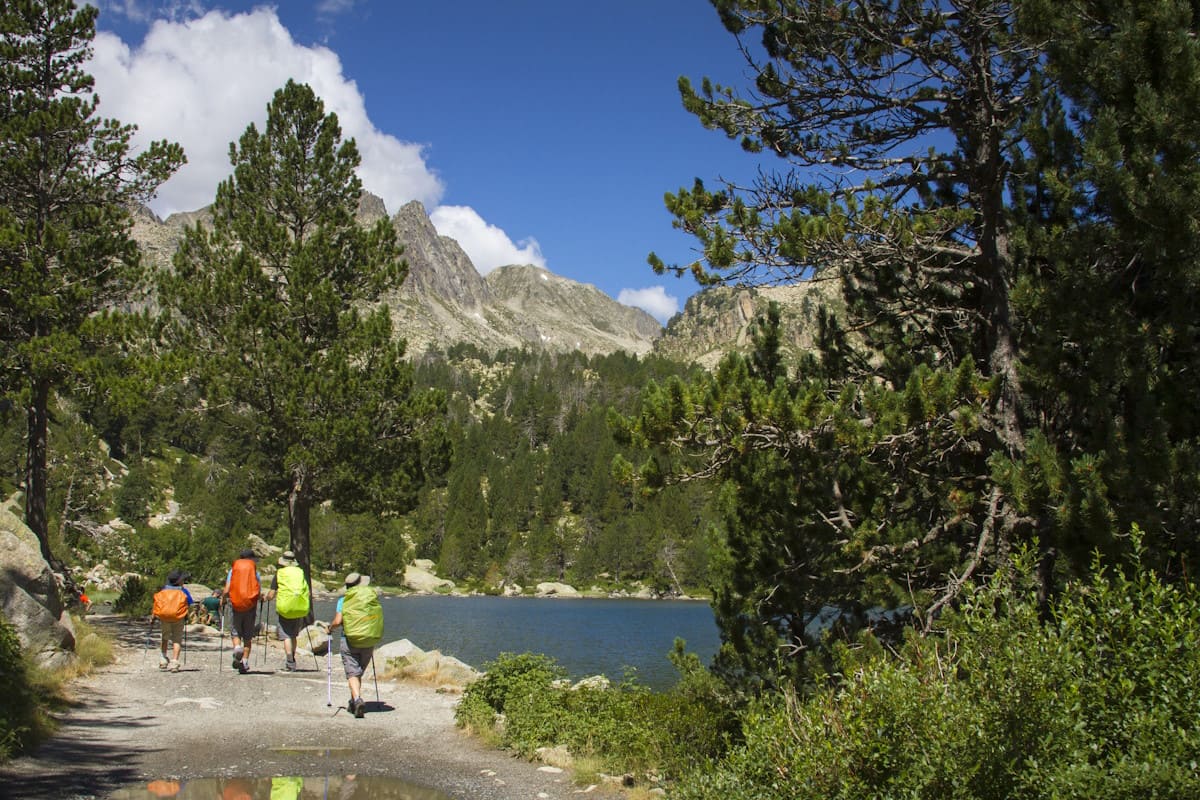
334, 787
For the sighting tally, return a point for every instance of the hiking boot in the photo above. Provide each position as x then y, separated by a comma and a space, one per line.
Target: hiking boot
163, 663
243, 667
360, 708
237, 661
289, 665
174, 665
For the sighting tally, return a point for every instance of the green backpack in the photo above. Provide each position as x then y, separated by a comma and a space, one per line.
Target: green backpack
362, 617
291, 597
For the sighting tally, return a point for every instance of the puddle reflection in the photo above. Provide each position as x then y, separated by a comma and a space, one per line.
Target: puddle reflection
333, 787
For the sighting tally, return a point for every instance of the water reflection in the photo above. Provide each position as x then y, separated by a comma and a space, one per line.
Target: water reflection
333, 787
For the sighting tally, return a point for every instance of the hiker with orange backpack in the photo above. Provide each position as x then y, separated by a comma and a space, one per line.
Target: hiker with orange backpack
171, 604
242, 590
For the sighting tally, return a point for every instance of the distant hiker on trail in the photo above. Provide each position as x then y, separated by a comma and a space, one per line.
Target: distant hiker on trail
171, 604
289, 590
212, 606
242, 590
360, 616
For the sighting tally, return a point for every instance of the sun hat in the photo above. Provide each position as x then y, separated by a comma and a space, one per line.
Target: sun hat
175, 577
248, 553
354, 579
287, 559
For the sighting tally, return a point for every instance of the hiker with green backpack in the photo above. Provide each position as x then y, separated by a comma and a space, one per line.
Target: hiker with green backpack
289, 590
360, 616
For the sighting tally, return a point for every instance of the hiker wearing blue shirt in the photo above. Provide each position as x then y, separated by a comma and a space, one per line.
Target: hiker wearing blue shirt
172, 628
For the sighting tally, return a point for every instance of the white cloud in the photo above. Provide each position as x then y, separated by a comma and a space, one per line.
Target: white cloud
654, 300
200, 82
488, 246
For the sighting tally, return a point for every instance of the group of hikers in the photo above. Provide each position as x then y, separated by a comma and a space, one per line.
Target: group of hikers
358, 615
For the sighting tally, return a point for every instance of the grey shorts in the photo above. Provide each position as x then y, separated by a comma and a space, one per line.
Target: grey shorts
290, 628
243, 624
354, 661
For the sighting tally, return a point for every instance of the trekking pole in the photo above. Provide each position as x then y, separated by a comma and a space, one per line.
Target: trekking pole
146, 644
266, 617
376, 677
328, 669
185, 624
221, 646
308, 632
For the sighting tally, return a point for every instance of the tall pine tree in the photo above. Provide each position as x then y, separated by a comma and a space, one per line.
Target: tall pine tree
68, 181
276, 299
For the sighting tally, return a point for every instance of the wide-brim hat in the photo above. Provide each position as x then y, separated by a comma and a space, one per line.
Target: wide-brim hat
286, 559
354, 579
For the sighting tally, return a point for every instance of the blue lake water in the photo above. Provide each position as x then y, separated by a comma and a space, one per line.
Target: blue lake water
586, 636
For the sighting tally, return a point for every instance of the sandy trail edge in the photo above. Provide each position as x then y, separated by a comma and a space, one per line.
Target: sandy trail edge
133, 723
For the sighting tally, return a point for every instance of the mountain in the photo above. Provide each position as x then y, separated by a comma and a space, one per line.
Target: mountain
446, 301
720, 319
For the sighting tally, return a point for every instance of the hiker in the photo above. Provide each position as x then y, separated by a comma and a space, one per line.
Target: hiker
242, 590
289, 590
171, 604
212, 606
360, 616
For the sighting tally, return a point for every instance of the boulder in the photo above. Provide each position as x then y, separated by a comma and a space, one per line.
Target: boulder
446, 673
262, 550
551, 589
29, 597
422, 580
401, 649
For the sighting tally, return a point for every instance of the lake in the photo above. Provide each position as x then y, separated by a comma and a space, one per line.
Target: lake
587, 636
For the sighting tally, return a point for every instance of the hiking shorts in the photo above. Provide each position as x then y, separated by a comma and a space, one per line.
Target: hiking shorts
290, 628
172, 632
355, 660
243, 623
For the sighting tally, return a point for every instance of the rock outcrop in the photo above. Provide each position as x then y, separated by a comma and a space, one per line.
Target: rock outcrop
29, 595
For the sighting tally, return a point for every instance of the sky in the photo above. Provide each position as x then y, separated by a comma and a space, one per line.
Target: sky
540, 132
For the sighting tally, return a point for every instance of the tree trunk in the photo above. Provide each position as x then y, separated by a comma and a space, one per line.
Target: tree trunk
38, 419
299, 508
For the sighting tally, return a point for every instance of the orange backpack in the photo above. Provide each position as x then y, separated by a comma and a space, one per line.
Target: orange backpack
170, 605
243, 585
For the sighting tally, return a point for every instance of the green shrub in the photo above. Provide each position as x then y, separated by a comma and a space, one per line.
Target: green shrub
505, 683
18, 712
135, 599
626, 728
1100, 702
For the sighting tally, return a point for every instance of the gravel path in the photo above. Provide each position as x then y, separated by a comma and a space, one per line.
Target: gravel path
133, 724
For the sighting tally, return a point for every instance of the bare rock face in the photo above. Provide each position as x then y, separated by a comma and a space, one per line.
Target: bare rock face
29, 597
445, 301
719, 320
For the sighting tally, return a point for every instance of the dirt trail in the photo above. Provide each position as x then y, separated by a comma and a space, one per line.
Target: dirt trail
133, 723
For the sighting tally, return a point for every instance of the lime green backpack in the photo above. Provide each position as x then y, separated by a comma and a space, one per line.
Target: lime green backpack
362, 617
291, 596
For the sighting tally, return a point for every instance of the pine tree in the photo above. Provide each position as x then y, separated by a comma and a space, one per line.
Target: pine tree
998, 187
277, 300
68, 181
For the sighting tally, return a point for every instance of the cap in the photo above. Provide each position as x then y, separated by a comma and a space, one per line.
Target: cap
248, 553
354, 579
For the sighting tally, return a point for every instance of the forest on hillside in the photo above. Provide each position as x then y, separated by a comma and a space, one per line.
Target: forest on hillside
523, 482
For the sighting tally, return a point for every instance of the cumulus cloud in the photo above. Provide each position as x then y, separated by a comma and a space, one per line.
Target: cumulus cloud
488, 246
654, 300
201, 80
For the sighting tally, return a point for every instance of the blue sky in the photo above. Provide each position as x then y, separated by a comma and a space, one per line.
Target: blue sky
534, 131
